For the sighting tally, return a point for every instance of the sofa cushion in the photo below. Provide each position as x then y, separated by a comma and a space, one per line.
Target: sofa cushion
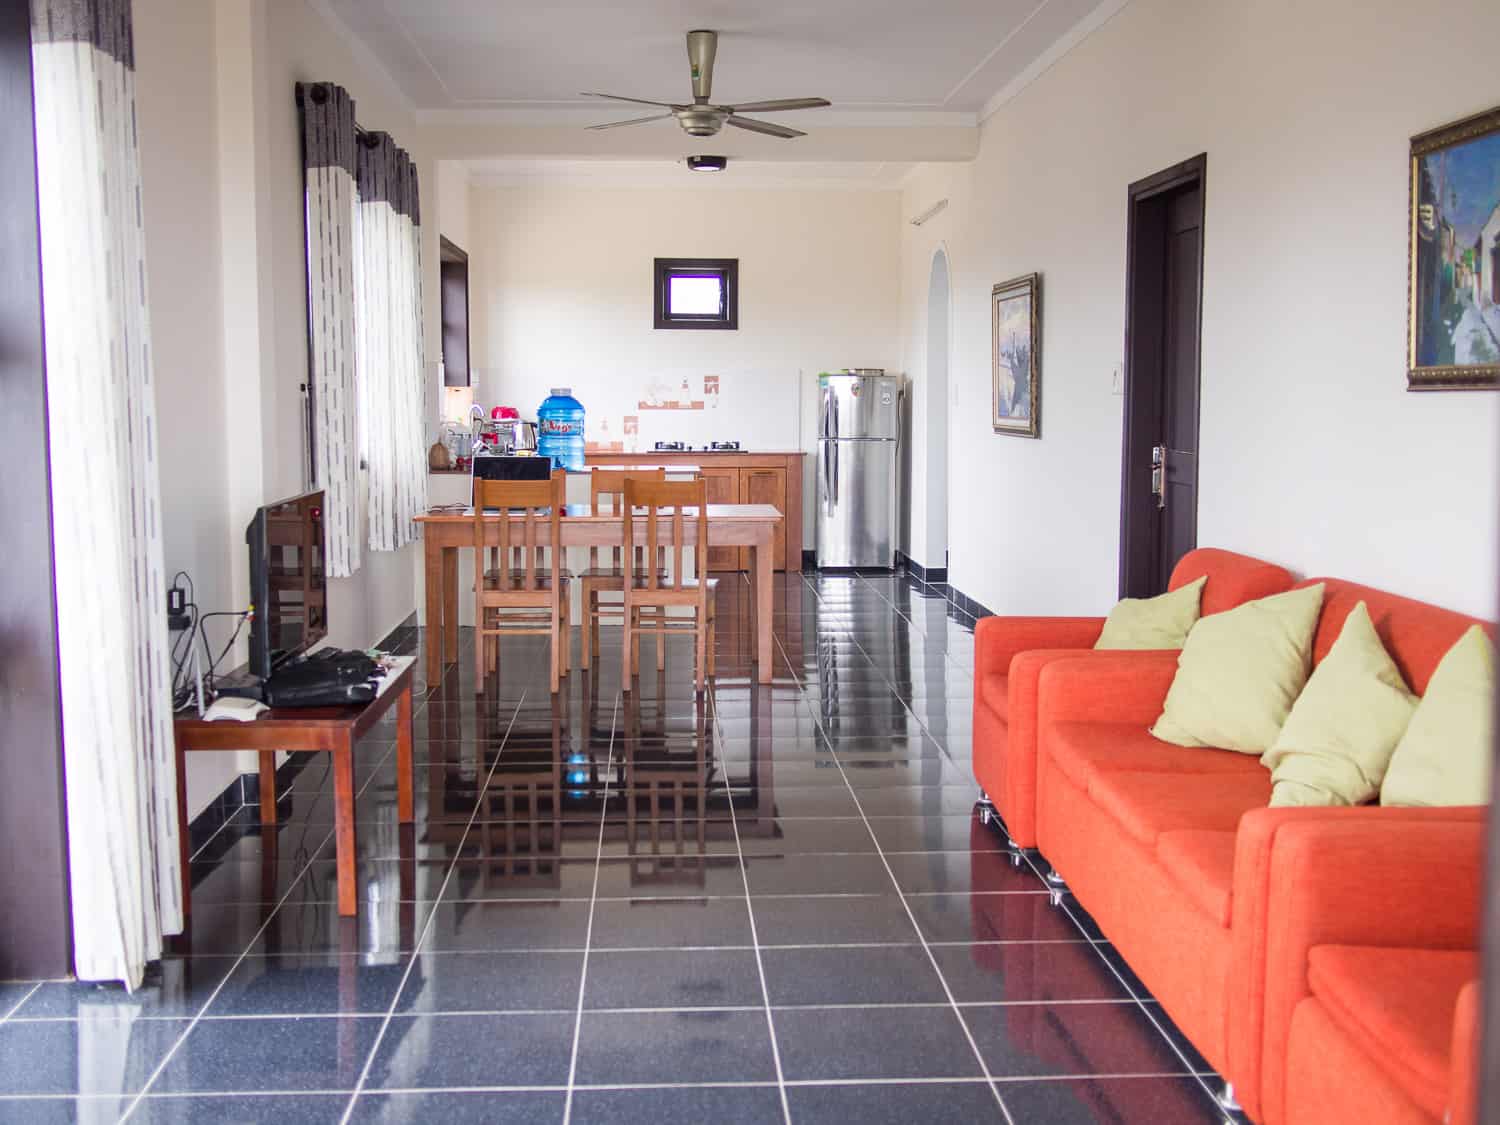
1397, 1005
994, 690
1338, 740
1444, 756
1201, 862
1240, 672
1083, 750
1148, 804
1152, 623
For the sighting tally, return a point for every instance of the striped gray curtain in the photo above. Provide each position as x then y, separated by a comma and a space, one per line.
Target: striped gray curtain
328, 146
120, 766
388, 316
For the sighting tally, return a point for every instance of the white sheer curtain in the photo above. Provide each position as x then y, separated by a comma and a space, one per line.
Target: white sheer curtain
111, 618
328, 147
388, 319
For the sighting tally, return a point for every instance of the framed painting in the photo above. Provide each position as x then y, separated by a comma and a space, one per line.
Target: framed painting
1453, 292
1016, 347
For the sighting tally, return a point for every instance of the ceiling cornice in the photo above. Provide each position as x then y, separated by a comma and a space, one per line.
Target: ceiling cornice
567, 115
1044, 62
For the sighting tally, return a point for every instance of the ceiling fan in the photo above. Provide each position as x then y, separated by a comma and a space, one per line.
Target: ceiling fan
703, 119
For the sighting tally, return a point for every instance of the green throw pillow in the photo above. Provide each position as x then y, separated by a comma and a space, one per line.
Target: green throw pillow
1341, 733
1160, 622
1240, 672
1444, 757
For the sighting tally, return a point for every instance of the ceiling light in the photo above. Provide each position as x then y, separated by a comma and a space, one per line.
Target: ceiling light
707, 163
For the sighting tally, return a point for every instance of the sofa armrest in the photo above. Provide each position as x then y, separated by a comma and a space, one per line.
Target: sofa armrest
998, 639
1105, 687
1346, 876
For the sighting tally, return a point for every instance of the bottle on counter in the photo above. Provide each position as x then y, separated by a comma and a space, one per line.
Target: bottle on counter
560, 429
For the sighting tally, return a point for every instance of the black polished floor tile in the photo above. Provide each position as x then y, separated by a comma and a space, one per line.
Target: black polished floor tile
991, 917
492, 982
691, 1105
962, 872
460, 1108
105, 1053
817, 874
241, 1109
796, 836
675, 1047
1111, 1101
958, 833
671, 923
1036, 1040
893, 974
1027, 972
672, 875
296, 984
825, 921
537, 924
176, 986
897, 1104
924, 800
678, 978
313, 1053
840, 1043
473, 1050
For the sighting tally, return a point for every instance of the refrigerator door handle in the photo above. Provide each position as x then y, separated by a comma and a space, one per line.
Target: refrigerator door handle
831, 476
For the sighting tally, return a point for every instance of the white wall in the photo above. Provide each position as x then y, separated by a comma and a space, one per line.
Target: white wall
560, 295
223, 198
1313, 453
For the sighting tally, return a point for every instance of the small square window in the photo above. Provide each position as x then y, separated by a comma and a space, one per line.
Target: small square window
696, 293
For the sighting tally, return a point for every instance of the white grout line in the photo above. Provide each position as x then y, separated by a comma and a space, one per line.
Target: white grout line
16, 1007
760, 967
588, 934
912, 919
416, 952
214, 995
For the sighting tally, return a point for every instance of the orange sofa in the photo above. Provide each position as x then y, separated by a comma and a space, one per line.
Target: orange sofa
1170, 849
1372, 969
1010, 652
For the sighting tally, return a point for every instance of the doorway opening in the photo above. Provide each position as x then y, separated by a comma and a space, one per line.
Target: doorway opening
939, 312
1163, 333
453, 269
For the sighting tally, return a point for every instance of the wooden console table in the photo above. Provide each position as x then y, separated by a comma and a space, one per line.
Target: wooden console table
331, 730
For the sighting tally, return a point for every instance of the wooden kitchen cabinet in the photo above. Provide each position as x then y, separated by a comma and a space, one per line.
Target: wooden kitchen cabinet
738, 478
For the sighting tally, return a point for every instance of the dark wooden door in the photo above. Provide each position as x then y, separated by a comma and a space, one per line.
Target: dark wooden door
1164, 299
453, 272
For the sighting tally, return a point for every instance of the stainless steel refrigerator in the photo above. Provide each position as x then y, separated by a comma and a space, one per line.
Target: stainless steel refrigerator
859, 428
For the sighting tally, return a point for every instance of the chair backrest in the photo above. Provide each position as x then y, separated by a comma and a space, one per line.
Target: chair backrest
668, 507
1233, 579
607, 497
525, 550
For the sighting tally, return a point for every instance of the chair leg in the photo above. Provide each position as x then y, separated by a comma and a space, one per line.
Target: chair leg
700, 656
556, 661
586, 647
480, 653
713, 644
629, 638
661, 651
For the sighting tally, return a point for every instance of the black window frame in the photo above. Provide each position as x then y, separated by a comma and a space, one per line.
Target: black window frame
728, 272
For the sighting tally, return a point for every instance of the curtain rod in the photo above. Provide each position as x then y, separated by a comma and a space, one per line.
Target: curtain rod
366, 137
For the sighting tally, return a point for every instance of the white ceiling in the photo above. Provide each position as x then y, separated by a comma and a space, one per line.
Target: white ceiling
915, 59
804, 175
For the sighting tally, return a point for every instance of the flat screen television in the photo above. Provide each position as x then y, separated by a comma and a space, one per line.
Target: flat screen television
288, 586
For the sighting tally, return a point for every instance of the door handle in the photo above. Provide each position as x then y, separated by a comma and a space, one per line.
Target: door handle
831, 475
1159, 475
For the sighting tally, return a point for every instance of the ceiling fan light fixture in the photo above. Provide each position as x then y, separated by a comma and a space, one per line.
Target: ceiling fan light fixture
707, 163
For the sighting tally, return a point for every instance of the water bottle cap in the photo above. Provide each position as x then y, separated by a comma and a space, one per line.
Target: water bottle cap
563, 392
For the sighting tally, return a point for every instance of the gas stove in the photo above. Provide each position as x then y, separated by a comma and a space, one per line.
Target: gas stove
684, 447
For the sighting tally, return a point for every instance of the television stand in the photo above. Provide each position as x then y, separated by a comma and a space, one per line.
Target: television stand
330, 730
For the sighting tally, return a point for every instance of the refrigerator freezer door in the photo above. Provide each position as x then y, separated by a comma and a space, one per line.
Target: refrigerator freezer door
856, 503
860, 406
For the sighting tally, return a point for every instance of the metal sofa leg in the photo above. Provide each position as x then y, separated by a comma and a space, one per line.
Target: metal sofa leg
986, 808
1226, 1099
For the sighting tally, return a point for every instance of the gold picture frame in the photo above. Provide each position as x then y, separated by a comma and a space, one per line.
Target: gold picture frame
1453, 257
1016, 356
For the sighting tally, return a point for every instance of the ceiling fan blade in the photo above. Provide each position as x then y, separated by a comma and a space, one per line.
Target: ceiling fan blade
632, 121
781, 104
751, 125
701, 48
632, 101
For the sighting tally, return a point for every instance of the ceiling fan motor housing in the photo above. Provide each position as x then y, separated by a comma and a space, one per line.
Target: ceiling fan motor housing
701, 121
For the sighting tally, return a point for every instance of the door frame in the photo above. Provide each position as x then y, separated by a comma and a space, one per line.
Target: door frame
1143, 370
451, 254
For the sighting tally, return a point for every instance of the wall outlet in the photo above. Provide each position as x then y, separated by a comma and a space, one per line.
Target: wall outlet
1117, 380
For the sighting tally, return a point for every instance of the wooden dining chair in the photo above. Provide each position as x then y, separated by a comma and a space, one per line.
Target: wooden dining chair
525, 589
606, 572
667, 507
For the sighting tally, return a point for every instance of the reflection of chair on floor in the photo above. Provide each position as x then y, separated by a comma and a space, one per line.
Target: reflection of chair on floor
650, 599
607, 575
519, 830
524, 591
666, 793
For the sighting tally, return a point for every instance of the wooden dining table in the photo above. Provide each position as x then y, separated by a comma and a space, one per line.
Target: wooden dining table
445, 532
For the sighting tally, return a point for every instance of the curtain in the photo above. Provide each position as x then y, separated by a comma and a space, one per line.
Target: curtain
328, 145
388, 319
120, 768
